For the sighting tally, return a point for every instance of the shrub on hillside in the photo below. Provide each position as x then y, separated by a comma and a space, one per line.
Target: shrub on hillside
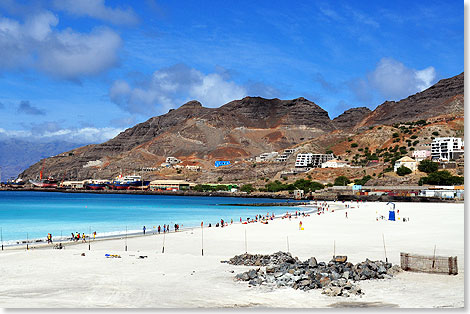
403, 171
428, 166
341, 181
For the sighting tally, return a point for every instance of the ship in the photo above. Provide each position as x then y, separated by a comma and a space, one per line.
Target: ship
44, 183
97, 185
128, 182
15, 183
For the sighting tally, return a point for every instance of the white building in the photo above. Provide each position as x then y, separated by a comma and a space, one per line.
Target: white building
282, 158
420, 155
193, 167
407, 162
446, 148
334, 163
266, 156
311, 160
172, 160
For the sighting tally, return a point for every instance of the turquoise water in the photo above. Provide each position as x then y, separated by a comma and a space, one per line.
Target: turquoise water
35, 214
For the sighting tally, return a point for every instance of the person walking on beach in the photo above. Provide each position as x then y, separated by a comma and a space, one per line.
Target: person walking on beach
83, 237
346, 215
94, 235
158, 229
73, 236
300, 225
144, 230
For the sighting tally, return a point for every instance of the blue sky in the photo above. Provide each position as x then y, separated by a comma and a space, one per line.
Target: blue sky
84, 70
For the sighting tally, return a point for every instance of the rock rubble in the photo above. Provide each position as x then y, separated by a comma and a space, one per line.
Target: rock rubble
336, 278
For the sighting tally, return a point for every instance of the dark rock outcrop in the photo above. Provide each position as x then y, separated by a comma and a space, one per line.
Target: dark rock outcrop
351, 117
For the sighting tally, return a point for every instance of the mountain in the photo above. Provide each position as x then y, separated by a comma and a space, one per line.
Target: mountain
351, 117
236, 130
446, 96
17, 155
240, 130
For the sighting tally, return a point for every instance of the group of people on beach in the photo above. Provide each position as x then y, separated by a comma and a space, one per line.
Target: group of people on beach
76, 237
166, 228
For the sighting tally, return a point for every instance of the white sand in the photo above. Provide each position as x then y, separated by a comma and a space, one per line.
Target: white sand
181, 277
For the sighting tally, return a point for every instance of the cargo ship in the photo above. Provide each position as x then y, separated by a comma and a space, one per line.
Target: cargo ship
97, 185
128, 182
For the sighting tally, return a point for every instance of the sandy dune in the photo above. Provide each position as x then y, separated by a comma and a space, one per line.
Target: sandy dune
181, 277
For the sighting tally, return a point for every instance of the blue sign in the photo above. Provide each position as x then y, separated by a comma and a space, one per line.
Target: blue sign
357, 187
219, 163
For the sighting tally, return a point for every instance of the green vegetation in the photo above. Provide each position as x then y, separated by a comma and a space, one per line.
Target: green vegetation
301, 184
413, 136
395, 135
341, 181
363, 181
219, 179
212, 188
329, 151
435, 133
403, 171
428, 166
248, 188
354, 145
441, 178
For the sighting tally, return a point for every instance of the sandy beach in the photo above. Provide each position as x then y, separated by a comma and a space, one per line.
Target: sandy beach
181, 277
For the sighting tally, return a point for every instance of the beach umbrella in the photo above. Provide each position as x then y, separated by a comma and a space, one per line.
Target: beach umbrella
393, 204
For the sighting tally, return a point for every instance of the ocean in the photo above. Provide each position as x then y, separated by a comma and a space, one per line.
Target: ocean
32, 215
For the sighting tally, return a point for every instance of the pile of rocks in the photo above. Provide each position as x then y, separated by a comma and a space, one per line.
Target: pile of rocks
261, 260
335, 277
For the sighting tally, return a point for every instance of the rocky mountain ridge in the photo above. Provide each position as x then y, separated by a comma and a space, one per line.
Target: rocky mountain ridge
239, 130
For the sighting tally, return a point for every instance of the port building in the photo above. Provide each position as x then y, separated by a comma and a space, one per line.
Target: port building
170, 185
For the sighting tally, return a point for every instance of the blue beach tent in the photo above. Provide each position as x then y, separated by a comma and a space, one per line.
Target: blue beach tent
391, 212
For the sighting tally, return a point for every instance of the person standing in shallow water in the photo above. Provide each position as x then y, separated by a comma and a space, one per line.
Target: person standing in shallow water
144, 229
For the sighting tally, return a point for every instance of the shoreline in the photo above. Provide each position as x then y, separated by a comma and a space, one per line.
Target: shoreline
337, 197
138, 192
119, 235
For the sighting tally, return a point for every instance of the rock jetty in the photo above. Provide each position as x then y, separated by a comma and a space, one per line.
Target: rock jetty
338, 277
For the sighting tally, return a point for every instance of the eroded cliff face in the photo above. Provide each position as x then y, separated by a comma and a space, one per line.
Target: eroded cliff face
240, 129
446, 96
236, 130
351, 117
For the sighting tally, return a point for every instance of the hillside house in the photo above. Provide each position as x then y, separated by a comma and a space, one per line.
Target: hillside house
407, 162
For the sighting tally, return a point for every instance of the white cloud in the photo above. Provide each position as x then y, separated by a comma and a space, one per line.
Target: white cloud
393, 80
171, 87
62, 54
98, 10
85, 135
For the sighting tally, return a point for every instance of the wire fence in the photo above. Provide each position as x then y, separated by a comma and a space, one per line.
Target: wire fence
429, 264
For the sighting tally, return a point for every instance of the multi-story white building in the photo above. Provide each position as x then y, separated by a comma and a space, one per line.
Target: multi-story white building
447, 148
312, 160
420, 155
